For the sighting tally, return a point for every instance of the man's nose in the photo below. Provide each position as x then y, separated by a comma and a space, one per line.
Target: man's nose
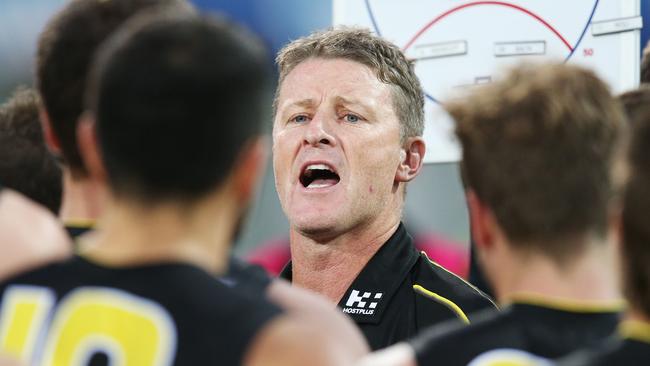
319, 131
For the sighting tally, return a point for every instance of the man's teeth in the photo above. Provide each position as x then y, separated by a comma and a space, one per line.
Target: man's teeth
319, 185
318, 167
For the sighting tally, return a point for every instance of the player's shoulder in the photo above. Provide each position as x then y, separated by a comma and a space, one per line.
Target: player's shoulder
176, 286
485, 324
250, 278
614, 351
453, 343
435, 283
44, 274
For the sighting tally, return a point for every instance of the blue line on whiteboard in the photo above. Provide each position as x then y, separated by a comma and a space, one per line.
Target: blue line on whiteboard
374, 25
372, 18
431, 98
575, 47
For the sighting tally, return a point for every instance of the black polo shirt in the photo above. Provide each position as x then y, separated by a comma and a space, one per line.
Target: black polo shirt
400, 292
630, 348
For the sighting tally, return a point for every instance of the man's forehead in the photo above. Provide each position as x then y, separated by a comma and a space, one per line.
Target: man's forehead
341, 80
312, 102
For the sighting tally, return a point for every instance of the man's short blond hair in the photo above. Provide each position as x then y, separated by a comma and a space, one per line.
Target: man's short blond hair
384, 58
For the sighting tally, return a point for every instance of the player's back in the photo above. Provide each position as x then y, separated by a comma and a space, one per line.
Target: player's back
630, 347
155, 314
518, 332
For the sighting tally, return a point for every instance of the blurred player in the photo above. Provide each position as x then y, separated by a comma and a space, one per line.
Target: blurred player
174, 128
65, 51
63, 57
542, 163
632, 346
26, 165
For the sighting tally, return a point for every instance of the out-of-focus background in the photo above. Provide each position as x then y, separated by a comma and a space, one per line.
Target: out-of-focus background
435, 205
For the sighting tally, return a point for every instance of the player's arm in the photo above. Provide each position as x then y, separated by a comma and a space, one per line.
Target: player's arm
312, 332
296, 340
400, 354
346, 335
29, 235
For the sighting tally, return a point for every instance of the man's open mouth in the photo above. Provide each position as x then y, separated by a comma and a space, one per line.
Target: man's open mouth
318, 176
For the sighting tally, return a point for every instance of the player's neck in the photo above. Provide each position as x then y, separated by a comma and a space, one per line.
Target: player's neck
200, 234
82, 199
329, 268
633, 314
590, 277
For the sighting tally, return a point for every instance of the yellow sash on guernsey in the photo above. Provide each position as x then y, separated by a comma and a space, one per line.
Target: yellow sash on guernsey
636, 330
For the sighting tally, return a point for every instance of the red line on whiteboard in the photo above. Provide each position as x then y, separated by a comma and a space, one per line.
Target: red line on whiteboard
478, 3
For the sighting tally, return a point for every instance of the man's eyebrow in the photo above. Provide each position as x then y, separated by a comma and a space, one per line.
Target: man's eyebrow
357, 103
344, 100
304, 103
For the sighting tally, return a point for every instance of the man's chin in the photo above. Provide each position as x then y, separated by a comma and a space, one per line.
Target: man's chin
319, 230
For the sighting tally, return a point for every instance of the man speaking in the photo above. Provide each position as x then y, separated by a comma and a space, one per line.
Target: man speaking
347, 138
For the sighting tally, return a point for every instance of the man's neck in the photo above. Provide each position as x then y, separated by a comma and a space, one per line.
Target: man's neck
132, 234
82, 199
591, 277
330, 268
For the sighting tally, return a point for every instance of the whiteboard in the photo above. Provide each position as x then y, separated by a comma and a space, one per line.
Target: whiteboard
458, 44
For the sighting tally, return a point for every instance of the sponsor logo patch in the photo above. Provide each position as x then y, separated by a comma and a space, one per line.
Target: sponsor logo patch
362, 303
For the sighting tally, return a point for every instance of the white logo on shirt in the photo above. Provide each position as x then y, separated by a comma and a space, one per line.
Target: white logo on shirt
357, 302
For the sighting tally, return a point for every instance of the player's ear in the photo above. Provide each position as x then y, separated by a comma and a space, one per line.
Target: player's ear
615, 226
250, 167
481, 221
89, 147
411, 159
51, 139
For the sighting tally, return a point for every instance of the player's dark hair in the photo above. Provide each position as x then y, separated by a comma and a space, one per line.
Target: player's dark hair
26, 165
176, 100
65, 50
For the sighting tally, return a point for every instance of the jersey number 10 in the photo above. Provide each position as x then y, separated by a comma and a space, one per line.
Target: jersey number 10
129, 330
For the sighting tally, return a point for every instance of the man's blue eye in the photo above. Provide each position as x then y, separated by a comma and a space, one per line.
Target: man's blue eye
351, 118
300, 119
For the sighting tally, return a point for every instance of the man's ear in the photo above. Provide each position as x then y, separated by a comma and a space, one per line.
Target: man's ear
411, 159
89, 147
481, 221
51, 139
250, 167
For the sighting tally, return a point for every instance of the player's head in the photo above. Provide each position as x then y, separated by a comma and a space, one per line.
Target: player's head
634, 101
65, 51
539, 151
178, 104
347, 130
636, 233
26, 165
